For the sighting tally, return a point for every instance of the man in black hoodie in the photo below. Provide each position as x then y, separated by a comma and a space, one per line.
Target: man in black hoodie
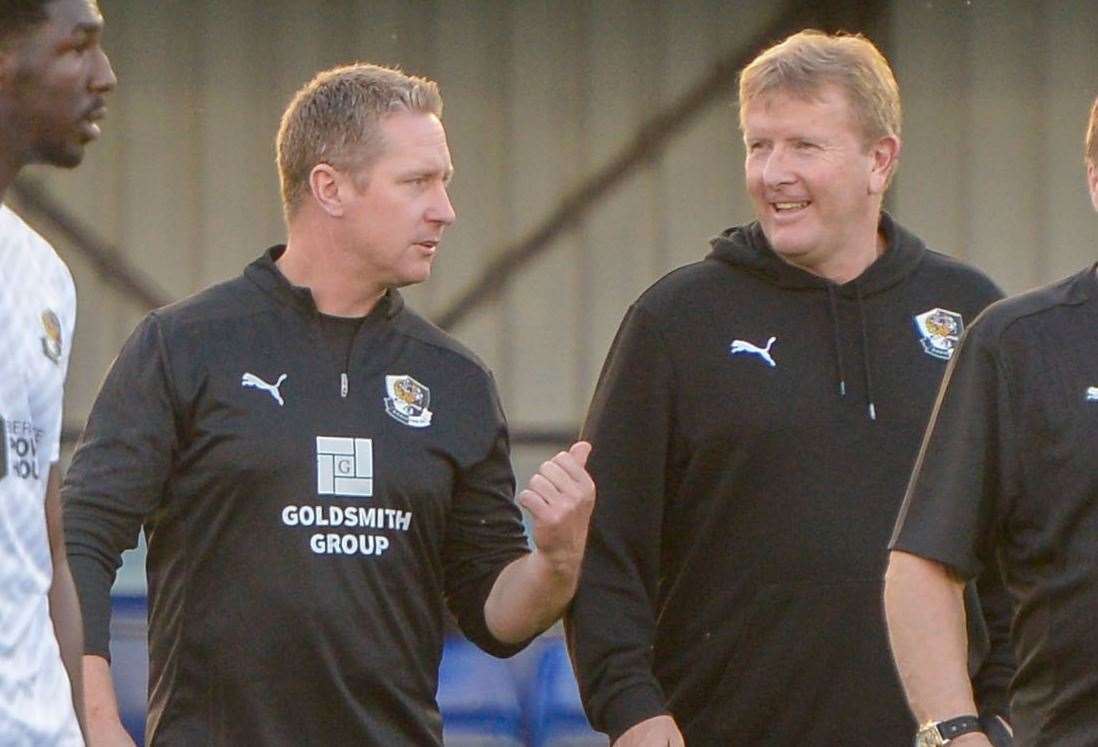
753, 428
1008, 474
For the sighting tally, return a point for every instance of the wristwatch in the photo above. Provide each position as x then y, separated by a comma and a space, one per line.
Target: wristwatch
938, 733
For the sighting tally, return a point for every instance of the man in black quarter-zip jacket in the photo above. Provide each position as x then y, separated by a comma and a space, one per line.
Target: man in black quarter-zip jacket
316, 467
753, 428
1008, 473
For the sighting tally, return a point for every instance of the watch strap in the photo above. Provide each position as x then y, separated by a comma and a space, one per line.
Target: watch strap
955, 727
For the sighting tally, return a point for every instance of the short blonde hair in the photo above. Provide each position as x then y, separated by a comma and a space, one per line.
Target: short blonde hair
334, 119
1091, 151
807, 61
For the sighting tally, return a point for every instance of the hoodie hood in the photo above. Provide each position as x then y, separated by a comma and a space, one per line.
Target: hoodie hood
747, 247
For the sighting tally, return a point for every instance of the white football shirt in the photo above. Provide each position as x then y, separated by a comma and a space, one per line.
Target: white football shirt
37, 314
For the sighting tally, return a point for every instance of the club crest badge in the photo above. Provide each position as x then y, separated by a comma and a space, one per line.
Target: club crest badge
407, 401
939, 332
51, 341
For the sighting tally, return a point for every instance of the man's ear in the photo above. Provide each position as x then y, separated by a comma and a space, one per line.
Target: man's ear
885, 155
324, 185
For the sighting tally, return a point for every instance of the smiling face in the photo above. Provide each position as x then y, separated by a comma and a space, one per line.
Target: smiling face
53, 84
815, 184
397, 209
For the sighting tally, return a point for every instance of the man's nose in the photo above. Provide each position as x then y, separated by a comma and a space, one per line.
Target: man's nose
103, 79
777, 169
441, 209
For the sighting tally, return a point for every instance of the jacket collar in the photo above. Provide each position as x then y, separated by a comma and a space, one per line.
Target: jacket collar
264, 273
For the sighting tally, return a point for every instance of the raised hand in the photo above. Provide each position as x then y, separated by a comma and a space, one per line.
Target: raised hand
561, 497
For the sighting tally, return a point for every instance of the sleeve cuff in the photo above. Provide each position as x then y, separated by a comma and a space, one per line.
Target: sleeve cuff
965, 568
475, 627
630, 707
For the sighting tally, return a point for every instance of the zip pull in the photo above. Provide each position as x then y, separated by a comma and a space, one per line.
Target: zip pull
343, 386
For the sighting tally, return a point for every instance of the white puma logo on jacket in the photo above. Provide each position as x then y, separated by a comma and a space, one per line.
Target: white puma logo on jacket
250, 379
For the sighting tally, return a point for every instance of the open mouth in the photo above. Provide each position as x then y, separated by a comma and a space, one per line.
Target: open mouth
786, 208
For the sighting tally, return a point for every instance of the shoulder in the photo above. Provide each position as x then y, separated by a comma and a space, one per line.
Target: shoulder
29, 260
412, 325
25, 252
191, 328
15, 232
684, 286
225, 300
1035, 310
942, 268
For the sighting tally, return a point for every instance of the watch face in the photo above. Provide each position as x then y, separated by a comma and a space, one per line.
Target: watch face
929, 736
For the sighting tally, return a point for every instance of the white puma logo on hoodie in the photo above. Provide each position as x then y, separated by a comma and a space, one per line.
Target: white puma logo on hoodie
742, 346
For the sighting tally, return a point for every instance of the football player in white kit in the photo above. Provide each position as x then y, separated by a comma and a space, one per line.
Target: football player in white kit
54, 77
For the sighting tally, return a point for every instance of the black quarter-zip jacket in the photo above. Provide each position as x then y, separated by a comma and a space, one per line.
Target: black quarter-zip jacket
306, 515
1009, 472
753, 428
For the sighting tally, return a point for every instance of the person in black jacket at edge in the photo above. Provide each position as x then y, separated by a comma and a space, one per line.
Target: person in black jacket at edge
316, 467
753, 429
1008, 474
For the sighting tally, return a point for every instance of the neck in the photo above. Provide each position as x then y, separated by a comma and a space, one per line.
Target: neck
8, 172
11, 150
339, 283
849, 266
862, 247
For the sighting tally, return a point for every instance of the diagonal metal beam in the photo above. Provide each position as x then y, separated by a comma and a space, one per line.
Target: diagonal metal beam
645, 145
109, 262
648, 142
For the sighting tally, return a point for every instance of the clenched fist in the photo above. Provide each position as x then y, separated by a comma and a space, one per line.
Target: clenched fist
561, 497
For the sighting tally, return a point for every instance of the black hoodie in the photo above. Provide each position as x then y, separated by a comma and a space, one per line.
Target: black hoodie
754, 427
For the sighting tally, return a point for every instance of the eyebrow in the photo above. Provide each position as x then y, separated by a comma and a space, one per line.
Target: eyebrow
446, 174
88, 27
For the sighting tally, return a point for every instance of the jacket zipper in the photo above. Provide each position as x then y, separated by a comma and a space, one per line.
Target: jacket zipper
344, 378
345, 375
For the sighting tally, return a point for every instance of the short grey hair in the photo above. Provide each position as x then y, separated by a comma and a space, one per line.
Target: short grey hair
805, 62
334, 119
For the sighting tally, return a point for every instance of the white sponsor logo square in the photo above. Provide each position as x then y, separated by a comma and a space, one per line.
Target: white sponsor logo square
344, 466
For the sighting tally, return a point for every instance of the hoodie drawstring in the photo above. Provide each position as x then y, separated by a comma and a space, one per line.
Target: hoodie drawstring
835, 330
833, 303
865, 356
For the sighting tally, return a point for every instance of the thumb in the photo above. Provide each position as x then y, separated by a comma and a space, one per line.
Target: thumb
580, 450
